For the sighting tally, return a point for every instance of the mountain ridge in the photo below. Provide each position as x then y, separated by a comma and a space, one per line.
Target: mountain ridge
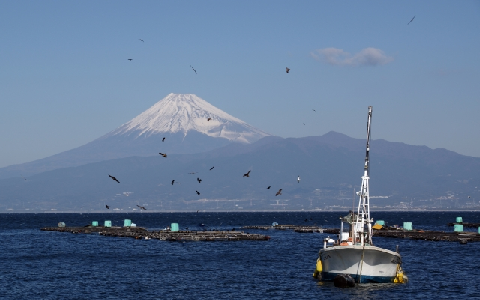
182, 119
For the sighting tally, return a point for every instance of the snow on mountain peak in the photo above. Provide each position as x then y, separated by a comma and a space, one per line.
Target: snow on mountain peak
185, 112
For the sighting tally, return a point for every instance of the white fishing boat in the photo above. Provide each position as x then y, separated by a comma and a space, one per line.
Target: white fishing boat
354, 253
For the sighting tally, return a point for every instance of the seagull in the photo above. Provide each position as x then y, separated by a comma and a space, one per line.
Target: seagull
193, 69
198, 193
269, 187
411, 20
163, 154
199, 180
113, 177
130, 59
142, 207
212, 168
108, 207
163, 140
173, 181
247, 174
288, 70
142, 40
279, 192
209, 119
298, 179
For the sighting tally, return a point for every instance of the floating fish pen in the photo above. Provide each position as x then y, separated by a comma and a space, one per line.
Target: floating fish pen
296, 228
465, 224
163, 235
427, 235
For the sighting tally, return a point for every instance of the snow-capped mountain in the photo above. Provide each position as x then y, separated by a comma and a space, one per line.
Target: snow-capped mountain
187, 112
188, 123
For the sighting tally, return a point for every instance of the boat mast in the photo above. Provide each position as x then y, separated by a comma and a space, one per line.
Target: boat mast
363, 215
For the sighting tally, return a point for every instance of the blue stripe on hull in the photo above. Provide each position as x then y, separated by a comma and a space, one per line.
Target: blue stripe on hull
364, 278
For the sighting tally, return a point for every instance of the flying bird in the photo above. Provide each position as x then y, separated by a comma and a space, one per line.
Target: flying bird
247, 174
193, 69
163, 154
209, 119
199, 180
141, 207
298, 179
288, 70
314, 110
279, 192
198, 193
411, 20
130, 59
163, 140
173, 181
212, 168
269, 187
113, 178
142, 40
108, 207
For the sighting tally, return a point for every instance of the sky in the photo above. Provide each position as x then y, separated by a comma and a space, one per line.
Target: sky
65, 77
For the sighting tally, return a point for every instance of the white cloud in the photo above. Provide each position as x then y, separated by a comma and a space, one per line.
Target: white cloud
366, 57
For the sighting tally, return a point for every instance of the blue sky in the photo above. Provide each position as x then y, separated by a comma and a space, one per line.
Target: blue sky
65, 79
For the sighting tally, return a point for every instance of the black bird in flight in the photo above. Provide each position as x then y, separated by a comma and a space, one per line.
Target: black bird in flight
163, 154
209, 119
269, 187
142, 40
163, 140
113, 177
247, 174
173, 181
198, 193
130, 59
199, 180
108, 207
193, 69
411, 20
142, 207
279, 192
212, 168
288, 70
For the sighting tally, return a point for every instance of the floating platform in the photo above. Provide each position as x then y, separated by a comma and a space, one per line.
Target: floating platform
427, 235
163, 235
296, 228
466, 224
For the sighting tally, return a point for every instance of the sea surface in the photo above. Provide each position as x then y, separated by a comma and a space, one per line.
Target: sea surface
52, 265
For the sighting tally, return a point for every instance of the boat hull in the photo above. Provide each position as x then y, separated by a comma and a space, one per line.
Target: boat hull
364, 264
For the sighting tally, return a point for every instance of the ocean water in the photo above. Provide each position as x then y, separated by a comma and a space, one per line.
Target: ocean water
53, 265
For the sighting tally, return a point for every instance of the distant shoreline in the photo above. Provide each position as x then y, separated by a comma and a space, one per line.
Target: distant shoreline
225, 211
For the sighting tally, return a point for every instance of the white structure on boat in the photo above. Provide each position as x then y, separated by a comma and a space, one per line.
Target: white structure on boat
354, 253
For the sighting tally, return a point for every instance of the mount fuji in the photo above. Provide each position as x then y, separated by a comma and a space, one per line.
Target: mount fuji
188, 123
